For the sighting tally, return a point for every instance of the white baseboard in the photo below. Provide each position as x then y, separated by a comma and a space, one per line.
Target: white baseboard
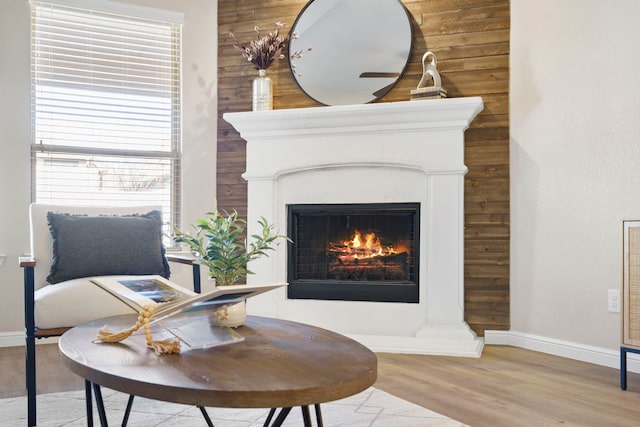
16, 339
585, 353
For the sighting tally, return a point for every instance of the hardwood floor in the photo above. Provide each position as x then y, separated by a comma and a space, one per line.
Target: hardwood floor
507, 386
510, 386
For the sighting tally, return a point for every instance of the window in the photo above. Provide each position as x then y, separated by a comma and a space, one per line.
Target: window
105, 108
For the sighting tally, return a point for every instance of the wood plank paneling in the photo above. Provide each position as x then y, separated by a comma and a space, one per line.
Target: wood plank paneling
471, 41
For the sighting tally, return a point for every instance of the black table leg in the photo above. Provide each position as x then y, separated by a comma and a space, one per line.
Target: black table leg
281, 417
318, 415
205, 414
284, 412
100, 404
127, 411
87, 399
306, 417
272, 412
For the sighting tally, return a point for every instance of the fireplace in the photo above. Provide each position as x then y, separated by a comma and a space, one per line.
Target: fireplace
354, 252
348, 167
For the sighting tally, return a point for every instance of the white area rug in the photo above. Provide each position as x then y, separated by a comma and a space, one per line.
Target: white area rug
372, 407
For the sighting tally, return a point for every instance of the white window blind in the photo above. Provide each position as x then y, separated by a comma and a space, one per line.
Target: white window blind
105, 109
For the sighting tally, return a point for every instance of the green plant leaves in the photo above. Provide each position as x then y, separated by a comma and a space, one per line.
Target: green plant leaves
219, 244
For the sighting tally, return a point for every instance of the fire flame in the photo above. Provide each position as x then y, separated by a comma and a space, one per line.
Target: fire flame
361, 248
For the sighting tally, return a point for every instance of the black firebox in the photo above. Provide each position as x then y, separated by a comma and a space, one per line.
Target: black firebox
354, 252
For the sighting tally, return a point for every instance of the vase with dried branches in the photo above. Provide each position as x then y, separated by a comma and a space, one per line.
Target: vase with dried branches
262, 53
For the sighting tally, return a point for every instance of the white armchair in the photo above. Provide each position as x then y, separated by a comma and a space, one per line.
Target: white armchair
89, 241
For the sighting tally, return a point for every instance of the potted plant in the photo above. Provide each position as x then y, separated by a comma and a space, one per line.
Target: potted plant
219, 244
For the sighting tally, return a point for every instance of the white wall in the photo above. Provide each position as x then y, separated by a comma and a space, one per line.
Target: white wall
199, 134
575, 163
14, 155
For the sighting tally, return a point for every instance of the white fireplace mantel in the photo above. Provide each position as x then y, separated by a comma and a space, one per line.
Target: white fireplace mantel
405, 152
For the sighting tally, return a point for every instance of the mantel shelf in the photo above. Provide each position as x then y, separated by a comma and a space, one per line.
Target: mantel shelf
434, 114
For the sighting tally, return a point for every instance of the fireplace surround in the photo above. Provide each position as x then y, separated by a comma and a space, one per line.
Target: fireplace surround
405, 152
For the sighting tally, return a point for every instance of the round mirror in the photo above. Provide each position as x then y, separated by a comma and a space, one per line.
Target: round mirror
359, 49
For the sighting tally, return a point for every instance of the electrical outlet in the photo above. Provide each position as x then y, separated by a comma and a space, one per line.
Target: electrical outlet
613, 300
2, 258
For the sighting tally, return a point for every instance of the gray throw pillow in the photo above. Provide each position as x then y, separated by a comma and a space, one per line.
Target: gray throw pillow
85, 246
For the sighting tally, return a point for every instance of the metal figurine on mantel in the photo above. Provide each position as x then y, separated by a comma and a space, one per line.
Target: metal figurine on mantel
430, 85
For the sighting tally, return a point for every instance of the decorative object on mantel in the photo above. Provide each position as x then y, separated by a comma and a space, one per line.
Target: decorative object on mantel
220, 245
430, 85
262, 53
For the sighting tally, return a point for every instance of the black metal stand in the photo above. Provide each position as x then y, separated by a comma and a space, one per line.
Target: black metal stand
623, 364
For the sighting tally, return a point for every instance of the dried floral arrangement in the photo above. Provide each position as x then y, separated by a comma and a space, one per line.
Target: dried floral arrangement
263, 52
266, 49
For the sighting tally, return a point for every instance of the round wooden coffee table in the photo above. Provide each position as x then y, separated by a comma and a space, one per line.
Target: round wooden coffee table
280, 364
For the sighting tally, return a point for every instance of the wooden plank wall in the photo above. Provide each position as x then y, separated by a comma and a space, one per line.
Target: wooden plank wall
471, 41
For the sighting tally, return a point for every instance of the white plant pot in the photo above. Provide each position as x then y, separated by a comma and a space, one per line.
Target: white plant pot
232, 315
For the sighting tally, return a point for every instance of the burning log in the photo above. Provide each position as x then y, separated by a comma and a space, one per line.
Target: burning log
365, 258
384, 267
